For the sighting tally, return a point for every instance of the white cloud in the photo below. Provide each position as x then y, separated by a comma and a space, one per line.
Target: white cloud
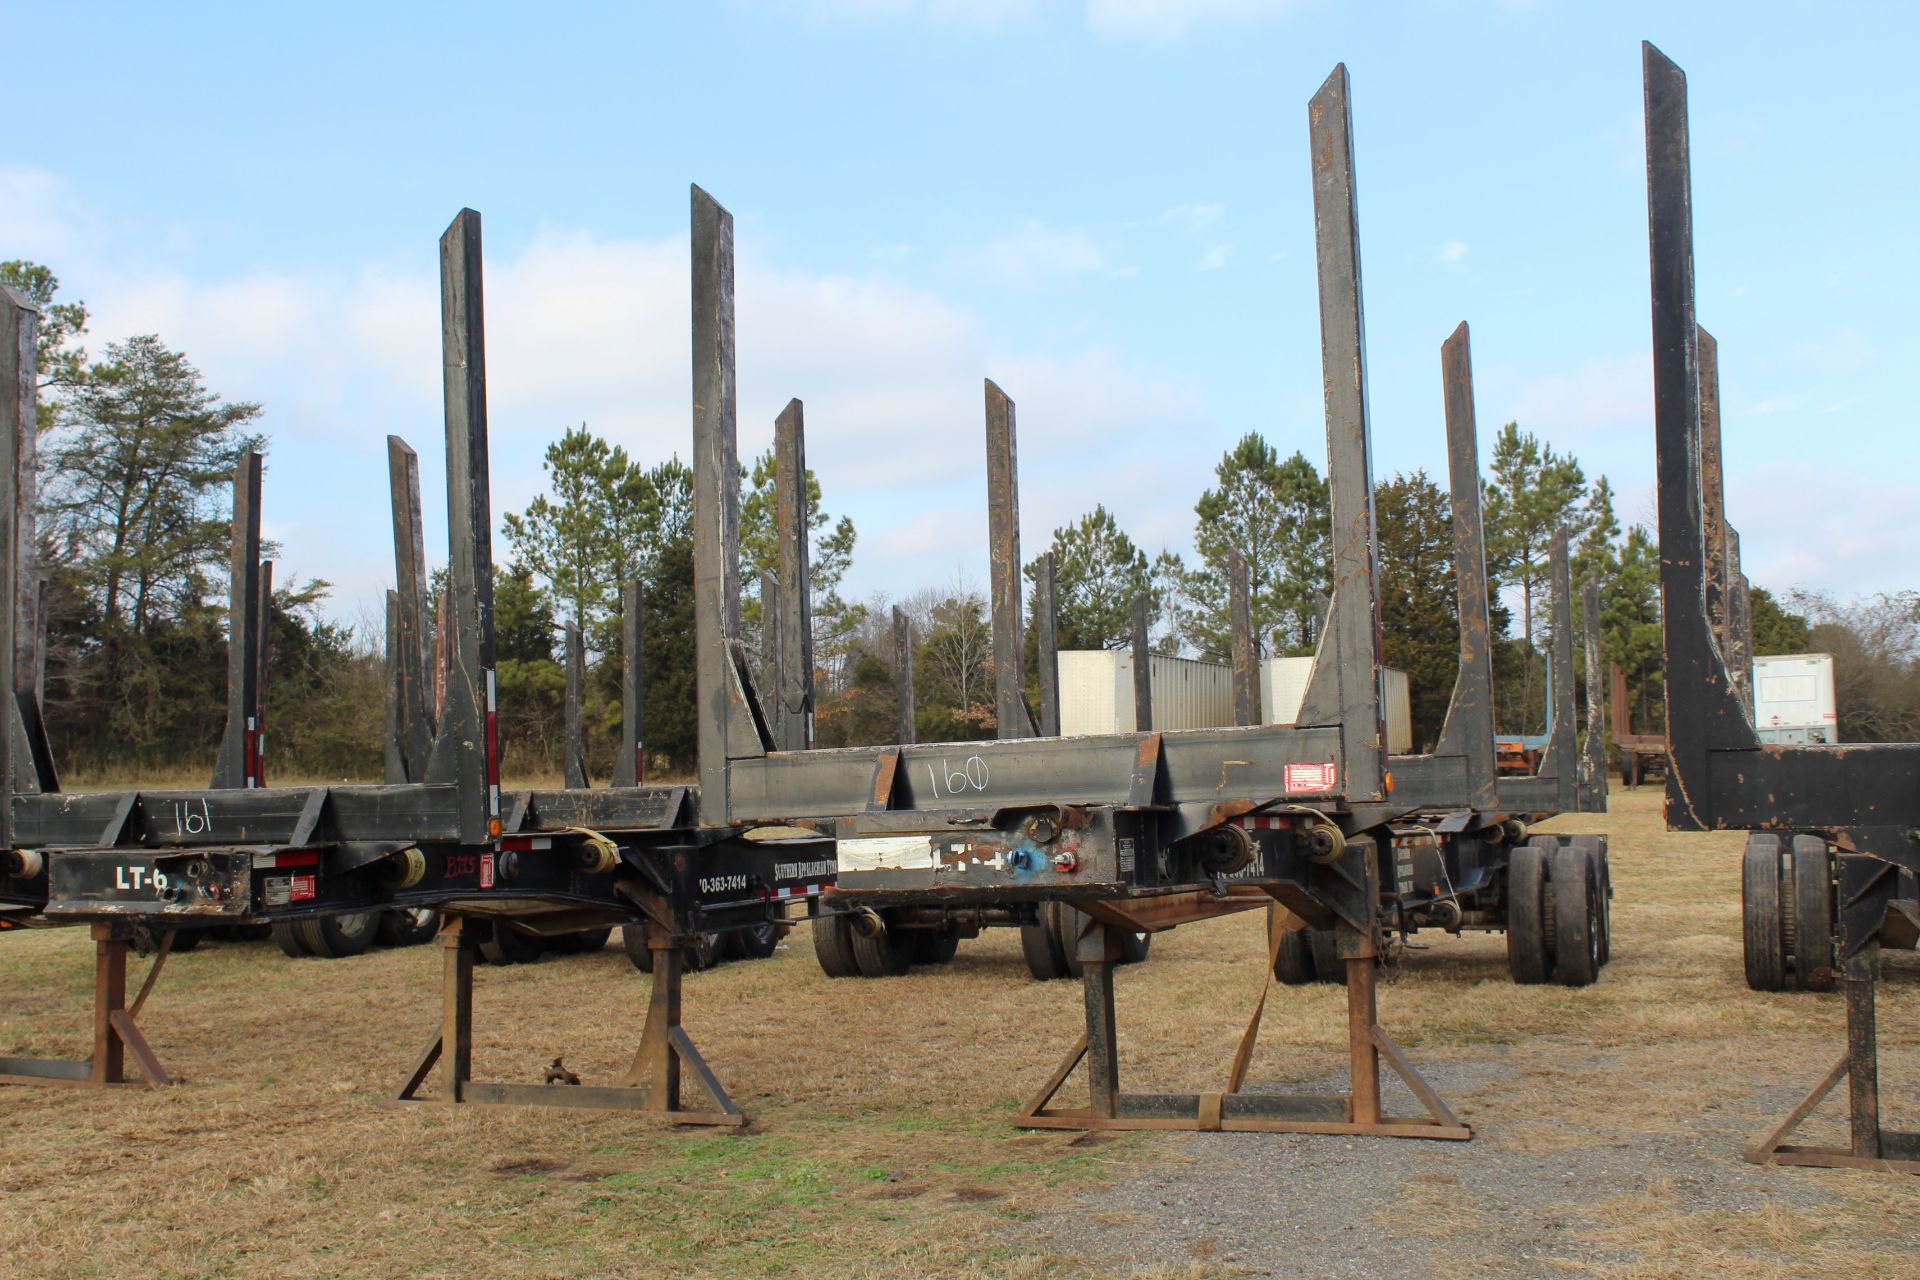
1767, 408
40, 217
1452, 253
1215, 258
986, 15
1600, 394
1036, 250
582, 328
1159, 21
1194, 217
1790, 537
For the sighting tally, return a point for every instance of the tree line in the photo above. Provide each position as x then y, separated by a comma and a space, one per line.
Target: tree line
136, 455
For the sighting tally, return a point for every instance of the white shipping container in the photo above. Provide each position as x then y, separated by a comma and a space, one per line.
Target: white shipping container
1096, 692
1793, 698
1283, 684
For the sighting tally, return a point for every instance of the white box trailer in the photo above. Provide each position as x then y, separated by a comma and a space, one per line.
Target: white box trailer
1283, 684
1096, 692
1793, 698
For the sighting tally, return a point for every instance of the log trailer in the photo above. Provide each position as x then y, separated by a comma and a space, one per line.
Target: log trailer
1135, 832
1829, 874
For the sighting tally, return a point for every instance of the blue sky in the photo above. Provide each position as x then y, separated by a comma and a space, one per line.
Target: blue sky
1102, 204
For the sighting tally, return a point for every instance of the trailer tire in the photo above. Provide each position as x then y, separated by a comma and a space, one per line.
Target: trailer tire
1293, 963
1762, 933
240, 932
1529, 958
1327, 964
1596, 848
833, 946
703, 951
288, 939
504, 944
408, 926
335, 937
934, 946
1813, 965
885, 955
756, 942
1066, 923
1576, 917
187, 939
584, 942
633, 940
1135, 946
1040, 946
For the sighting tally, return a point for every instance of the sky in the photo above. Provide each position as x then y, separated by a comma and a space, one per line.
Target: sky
1103, 205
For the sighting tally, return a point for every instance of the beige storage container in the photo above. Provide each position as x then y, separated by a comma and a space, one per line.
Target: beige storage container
1283, 683
1096, 692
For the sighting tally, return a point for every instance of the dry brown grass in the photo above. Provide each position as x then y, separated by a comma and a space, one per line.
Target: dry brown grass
880, 1143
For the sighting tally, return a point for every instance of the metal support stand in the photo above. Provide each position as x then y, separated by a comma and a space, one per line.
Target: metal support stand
116, 1033
1231, 1111
651, 1086
1870, 1146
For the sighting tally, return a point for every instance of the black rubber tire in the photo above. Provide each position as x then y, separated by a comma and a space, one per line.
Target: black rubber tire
633, 940
1134, 947
187, 939
704, 952
756, 943
833, 946
1764, 940
1813, 941
1630, 769
335, 937
1327, 964
288, 939
584, 942
886, 955
505, 944
408, 926
933, 946
240, 932
1294, 964
1529, 957
1040, 945
1596, 848
1576, 917
1066, 924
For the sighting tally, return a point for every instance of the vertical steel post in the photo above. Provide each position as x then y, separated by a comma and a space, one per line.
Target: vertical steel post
466, 750
1739, 625
1593, 742
630, 761
1713, 499
1363, 1052
1468, 729
1142, 669
109, 997
575, 765
772, 682
1859, 973
1698, 689
794, 694
1003, 545
263, 631
1046, 624
1560, 762
456, 1006
395, 758
236, 764
716, 502
413, 672
1246, 661
19, 420
903, 676
1345, 687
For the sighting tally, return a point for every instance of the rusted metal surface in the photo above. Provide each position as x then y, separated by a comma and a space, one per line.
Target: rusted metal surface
1003, 569
1142, 669
794, 693
19, 417
630, 759
1593, 743
1246, 656
1467, 731
903, 675
466, 747
1345, 689
411, 669
574, 749
237, 764
772, 653
116, 1031
1047, 645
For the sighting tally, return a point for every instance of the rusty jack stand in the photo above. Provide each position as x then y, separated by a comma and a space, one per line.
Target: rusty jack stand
1231, 1111
115, 1029
1871, 1147
650, 1087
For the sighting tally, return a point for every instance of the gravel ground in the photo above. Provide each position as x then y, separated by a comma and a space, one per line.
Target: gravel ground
1265, 1205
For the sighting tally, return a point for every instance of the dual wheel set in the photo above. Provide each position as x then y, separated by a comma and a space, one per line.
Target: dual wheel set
1559, 910
705, 950
1787, 913
331, 937
879, 944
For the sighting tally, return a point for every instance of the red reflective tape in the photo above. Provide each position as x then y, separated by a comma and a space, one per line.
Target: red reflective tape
303, 858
